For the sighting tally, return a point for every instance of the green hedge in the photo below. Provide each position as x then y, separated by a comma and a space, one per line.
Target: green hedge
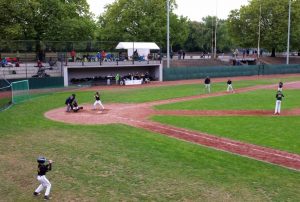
182, 73
48, 82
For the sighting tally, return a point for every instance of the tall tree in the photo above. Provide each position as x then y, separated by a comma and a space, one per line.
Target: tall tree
141, 20
195, 40
201, 35
243, 24
45, 20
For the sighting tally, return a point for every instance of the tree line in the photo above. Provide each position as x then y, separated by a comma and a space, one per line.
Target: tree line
145, 20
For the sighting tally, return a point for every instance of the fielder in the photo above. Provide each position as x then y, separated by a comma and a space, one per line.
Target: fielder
207, 84
42, 169
98, 101
280, 85
229, 86
279, 97
76, 108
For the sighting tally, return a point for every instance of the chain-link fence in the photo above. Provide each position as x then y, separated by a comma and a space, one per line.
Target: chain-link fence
5, 94
26, 59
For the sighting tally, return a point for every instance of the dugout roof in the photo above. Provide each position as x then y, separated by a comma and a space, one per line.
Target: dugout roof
137, 45
143, 48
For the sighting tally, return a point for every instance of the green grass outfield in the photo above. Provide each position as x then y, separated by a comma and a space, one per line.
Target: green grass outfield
167, 92
122, 163
276, 131
252, 100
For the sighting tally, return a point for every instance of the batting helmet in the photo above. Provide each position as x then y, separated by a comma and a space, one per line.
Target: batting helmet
41, 159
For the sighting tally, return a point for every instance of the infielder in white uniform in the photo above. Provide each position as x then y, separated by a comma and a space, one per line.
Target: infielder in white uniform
98, 101
45, 184
229, 86
280, 86
207, 84
279, 97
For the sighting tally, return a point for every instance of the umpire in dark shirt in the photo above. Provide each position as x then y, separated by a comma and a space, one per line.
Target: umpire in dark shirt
69, 102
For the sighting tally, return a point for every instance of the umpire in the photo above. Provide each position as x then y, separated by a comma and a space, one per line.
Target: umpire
69, 102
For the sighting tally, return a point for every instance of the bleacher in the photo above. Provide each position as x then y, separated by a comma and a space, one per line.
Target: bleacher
27, 65
195, 62
280, 60
28, 70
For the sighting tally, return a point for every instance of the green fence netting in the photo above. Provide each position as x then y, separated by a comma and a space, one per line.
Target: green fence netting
182, 73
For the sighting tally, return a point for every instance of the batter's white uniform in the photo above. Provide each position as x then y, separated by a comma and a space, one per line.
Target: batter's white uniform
98, 101
44, 184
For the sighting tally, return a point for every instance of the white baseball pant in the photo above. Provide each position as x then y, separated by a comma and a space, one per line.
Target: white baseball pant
277, 106
44, 184
229, 87
98, 102
207, 86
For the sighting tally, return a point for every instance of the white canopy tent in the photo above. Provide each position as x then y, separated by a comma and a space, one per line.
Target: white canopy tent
143, 48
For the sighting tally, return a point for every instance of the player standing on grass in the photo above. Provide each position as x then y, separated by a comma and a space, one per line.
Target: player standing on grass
229, 86
207, 84
280, 85
98, 101
279, 97
42, 169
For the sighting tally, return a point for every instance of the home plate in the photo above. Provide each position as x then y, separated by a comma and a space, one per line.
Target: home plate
99, 112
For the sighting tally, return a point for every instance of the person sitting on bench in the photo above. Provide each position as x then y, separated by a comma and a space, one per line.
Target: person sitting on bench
52, 63
39, 64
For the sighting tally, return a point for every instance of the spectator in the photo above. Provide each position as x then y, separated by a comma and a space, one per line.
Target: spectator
179, 55
73, 55
98, 56
135, 55
51, 62
41, 55
17, 64
39, 64
183, 55
103, 55
4, 62
117, 77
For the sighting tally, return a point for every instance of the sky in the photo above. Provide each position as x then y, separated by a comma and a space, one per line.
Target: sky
195, 10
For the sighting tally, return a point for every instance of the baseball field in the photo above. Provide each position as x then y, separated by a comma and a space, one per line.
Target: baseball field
159, 142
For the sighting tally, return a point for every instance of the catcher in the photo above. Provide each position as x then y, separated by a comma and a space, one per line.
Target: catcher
41, 177
76, 108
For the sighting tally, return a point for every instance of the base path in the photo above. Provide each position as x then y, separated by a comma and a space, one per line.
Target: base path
137, 115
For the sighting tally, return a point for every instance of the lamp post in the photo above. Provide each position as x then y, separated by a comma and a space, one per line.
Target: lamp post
288, 38
259, 24
168, 33
215, 49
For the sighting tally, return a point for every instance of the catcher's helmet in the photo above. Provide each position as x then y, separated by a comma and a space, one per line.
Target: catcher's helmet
41, 159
